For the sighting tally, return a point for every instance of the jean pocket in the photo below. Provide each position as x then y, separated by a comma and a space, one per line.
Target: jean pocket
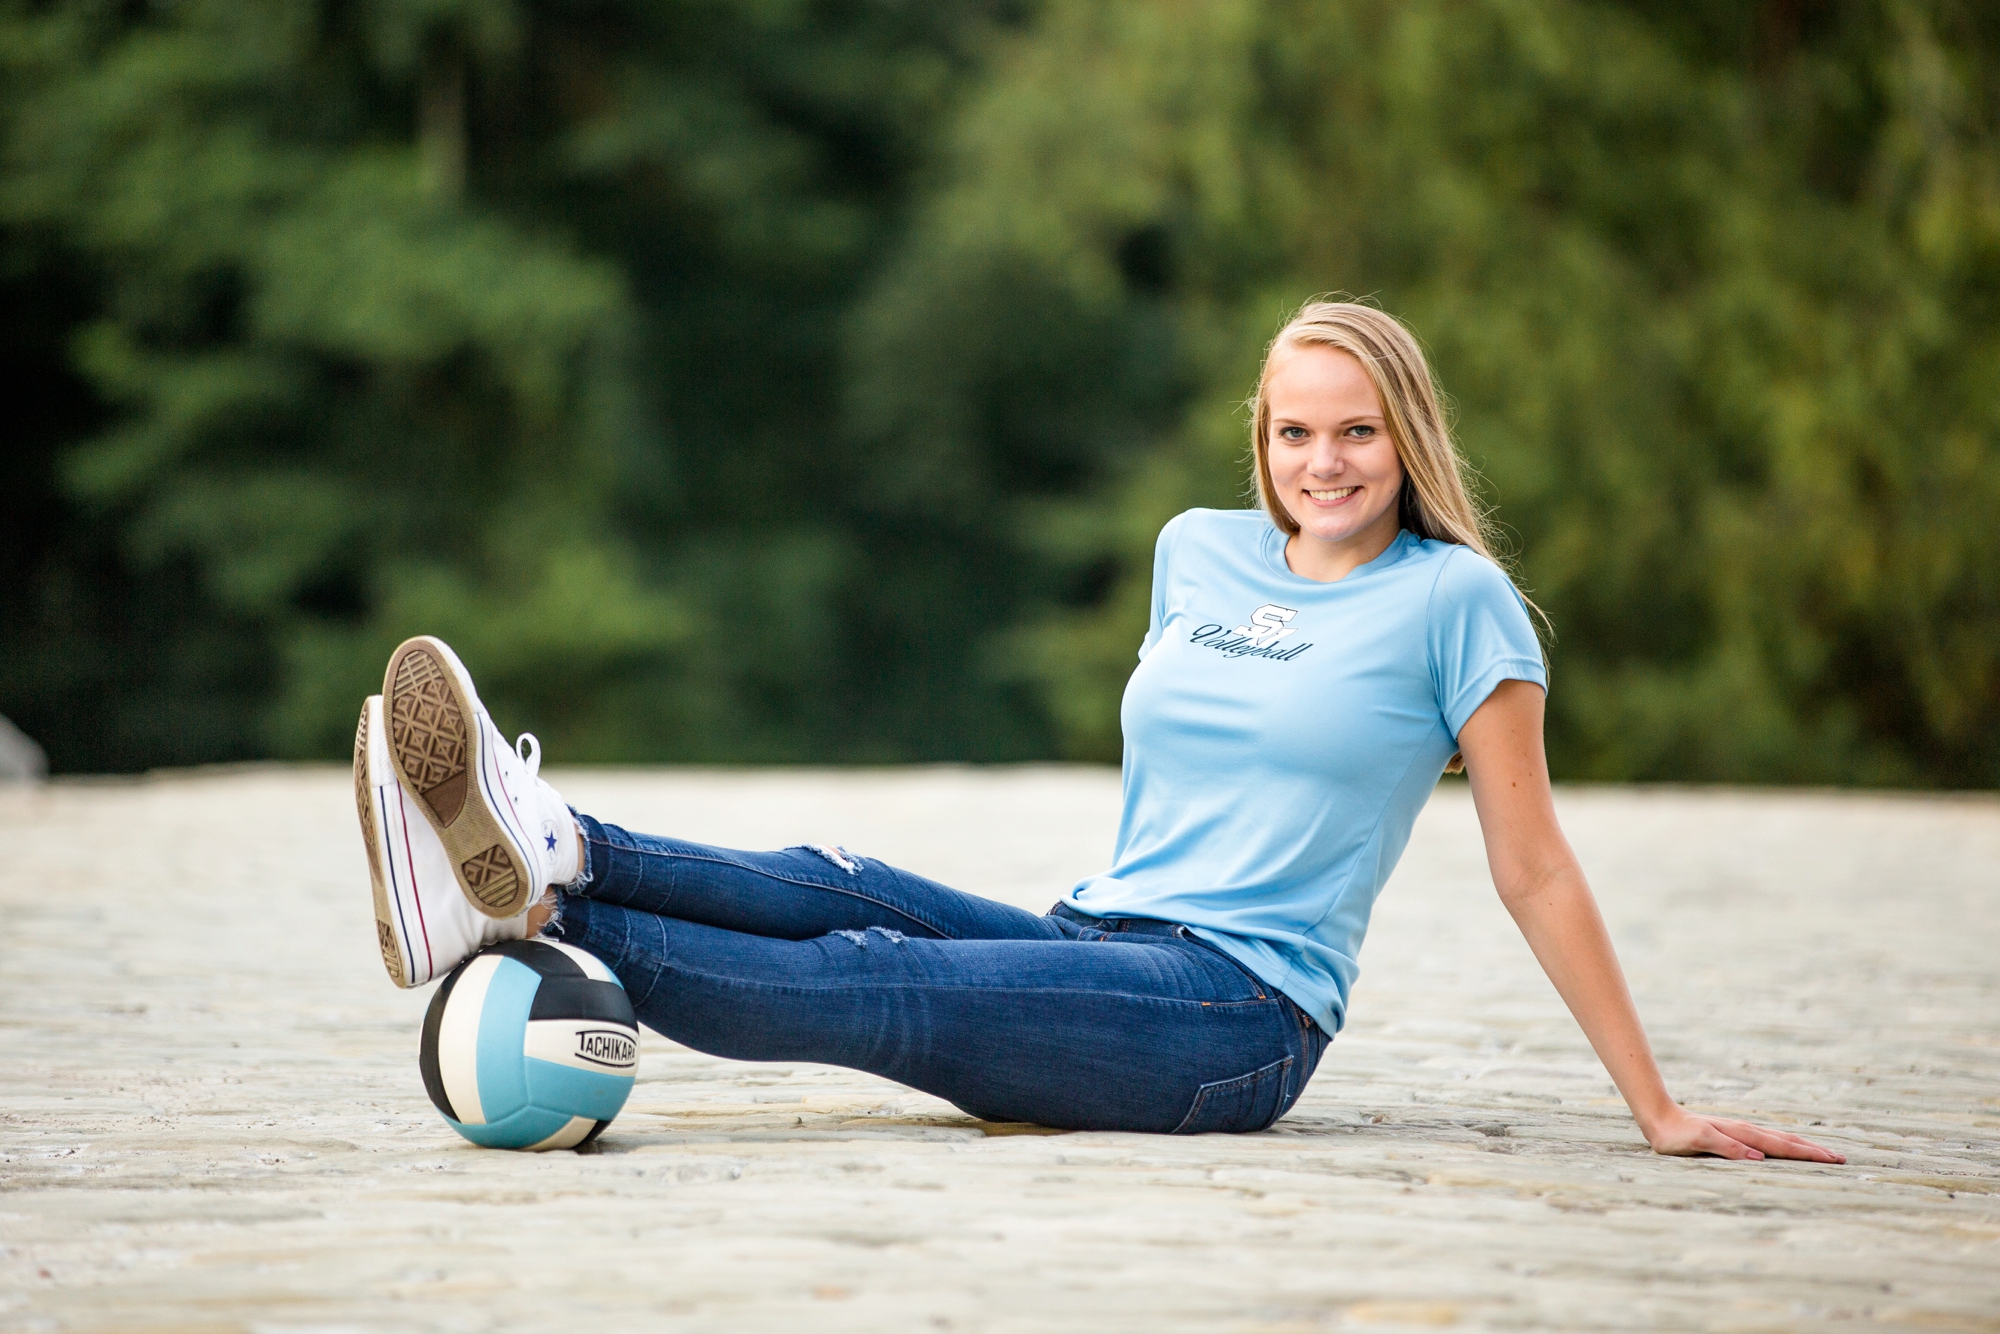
1248, 1102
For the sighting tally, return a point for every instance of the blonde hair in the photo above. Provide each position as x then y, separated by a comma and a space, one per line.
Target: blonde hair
1436, 501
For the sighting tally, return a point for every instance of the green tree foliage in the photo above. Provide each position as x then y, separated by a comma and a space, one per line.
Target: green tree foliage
770, 381
516, 322
1712, 288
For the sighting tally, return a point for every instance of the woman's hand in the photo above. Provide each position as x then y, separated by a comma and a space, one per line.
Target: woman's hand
1685, 1134
1543, 887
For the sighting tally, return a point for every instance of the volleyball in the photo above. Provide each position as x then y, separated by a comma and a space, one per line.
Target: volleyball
530, 1045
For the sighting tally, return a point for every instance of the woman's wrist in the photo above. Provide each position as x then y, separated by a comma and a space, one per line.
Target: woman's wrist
1655, 1112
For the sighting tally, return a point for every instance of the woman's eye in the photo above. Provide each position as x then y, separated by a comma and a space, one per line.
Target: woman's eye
1291, 432
1361, 432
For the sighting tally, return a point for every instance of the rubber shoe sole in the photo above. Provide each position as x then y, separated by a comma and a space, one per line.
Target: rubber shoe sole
365, 789
442, 755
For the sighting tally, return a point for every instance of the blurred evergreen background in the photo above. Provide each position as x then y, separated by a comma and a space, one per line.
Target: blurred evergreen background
805, 380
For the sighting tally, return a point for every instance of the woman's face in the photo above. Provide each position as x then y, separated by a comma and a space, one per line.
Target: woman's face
1332, 462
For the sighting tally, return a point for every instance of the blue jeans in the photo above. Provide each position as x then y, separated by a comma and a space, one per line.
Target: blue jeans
814, 954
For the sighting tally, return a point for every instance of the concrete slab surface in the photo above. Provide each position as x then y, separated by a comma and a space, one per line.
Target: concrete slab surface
211, 1118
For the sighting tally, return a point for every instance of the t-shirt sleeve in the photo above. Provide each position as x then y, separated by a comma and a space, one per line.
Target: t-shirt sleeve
1161, 550
1480, 635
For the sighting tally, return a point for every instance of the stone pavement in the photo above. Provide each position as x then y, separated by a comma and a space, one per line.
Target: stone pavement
211, 1119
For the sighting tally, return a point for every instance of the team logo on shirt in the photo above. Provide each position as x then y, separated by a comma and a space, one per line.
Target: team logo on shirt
1259, 637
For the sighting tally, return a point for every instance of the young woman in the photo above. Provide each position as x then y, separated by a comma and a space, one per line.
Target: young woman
1309, 673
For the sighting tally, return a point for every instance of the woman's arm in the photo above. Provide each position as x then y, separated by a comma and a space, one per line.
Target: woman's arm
1543, 887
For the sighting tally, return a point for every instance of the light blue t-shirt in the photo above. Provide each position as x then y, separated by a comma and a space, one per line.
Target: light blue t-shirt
1281, 735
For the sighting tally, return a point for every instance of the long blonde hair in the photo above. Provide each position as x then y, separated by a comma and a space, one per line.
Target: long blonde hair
1436, 502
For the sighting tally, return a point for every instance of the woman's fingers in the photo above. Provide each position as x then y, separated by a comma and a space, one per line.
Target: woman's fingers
1778, 1143
1739, 1140
1721, 1143
1691, 1135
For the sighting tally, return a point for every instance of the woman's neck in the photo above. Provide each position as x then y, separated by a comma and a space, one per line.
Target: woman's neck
1325, 562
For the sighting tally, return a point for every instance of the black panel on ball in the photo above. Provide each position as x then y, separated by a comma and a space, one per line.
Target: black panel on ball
539, 955
427, 1049
582, 998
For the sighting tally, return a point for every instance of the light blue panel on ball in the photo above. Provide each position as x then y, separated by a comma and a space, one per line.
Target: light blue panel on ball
592, 1093
503, 1086
530, 1125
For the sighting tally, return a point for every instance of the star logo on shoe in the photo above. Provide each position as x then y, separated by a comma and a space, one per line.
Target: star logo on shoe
551, 840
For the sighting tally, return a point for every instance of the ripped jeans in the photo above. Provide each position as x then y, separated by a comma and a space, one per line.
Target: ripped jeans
815, 954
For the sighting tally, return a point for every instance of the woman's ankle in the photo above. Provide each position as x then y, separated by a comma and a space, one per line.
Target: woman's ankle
542, 912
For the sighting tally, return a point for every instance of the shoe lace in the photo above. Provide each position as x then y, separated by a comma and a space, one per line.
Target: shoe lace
530, 751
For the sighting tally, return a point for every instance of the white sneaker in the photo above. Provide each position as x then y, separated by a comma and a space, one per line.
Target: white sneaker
506, 833
422, 920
